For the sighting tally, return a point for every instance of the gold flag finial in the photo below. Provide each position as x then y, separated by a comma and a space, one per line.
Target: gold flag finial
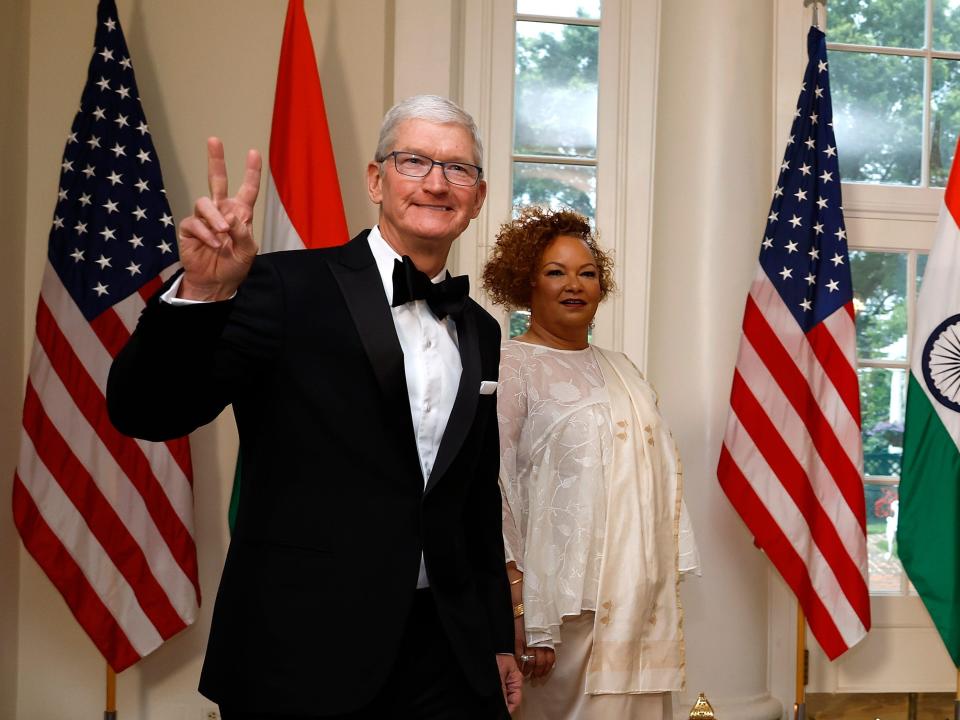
702, 710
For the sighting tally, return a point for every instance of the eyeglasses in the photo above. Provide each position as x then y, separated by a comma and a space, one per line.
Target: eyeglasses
456, 173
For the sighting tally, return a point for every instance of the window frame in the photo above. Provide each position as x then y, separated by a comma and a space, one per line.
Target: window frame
910, 291
626, 131
533, 158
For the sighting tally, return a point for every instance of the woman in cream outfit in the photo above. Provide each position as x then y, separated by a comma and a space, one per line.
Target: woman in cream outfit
595, 530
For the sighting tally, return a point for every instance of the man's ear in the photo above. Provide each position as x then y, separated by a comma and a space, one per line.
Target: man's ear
375, 183
478, 200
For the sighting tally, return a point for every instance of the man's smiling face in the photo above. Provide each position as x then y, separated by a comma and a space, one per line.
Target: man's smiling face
416, 211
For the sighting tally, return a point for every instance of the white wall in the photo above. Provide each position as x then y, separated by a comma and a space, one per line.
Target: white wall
202, 68
711, 191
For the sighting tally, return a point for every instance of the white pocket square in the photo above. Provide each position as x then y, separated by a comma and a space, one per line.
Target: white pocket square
488, 387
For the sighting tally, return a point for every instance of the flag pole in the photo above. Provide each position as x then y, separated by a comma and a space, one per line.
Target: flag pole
815, 21
956, 702
800, 707
110, 712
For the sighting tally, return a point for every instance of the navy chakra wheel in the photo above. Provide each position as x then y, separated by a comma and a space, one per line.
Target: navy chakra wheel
941, 362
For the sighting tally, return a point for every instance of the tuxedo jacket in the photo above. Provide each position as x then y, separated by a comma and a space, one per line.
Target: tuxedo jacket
334, 513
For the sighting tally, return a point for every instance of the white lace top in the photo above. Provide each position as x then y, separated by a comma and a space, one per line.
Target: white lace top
555, 444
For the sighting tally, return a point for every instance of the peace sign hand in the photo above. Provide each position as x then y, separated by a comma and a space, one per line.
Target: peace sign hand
216, 242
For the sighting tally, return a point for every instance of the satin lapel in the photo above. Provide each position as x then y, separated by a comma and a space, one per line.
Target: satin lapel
468, 393
359, 280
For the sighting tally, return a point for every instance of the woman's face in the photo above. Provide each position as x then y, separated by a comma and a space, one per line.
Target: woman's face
566, 287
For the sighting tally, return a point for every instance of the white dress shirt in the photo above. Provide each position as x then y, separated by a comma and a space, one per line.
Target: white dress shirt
431, 360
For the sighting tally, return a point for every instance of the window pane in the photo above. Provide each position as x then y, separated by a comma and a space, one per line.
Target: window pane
921, 266
561, 8
879, 298
869, 22
883, 395
946, 25
556, 89
944, 119
519, 322
883, 508
555, 186
877, 116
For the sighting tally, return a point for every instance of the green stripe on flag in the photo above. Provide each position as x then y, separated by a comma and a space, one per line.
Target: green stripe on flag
928, 531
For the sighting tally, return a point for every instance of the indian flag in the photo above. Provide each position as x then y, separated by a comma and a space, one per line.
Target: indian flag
928, 531
304, 208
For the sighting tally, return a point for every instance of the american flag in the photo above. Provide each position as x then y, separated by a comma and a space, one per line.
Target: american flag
792, 455
109, 519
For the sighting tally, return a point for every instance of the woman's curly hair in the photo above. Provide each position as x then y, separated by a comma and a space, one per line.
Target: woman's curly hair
519, 246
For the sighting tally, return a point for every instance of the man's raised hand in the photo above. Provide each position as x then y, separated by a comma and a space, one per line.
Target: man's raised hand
216, 242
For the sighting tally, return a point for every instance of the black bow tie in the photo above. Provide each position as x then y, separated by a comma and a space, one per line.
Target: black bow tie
446, 297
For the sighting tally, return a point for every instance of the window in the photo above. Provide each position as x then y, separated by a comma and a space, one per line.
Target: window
565, 94
896, 88
554, 153
555, 105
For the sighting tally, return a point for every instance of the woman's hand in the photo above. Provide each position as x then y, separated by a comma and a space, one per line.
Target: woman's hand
519, 643
533, 662
544, 660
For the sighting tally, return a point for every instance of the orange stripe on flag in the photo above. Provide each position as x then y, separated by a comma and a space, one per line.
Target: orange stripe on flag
952, 195
301, 155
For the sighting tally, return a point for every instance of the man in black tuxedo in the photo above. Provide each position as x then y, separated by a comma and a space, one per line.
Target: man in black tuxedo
365, 577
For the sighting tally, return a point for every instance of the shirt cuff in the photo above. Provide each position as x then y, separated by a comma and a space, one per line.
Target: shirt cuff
170, 296
540, 639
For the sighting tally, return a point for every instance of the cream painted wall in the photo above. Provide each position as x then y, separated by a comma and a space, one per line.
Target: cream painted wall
712, 186
203, 68
14, 44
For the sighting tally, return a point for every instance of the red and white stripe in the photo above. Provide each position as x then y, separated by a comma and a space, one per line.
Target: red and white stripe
792, 457
108, 518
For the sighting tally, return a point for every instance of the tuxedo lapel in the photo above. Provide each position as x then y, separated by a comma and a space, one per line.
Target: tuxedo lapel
356, 273
468, 392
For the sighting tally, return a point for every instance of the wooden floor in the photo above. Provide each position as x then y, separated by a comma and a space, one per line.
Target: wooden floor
886, 706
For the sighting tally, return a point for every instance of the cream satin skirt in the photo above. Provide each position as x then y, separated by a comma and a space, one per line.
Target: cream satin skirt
560, 695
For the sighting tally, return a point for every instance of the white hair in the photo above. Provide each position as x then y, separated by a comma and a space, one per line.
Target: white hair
431, 108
